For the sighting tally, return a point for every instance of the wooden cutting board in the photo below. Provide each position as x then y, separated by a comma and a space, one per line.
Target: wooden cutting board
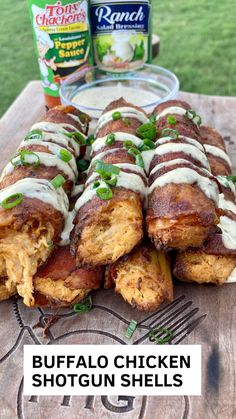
106, 323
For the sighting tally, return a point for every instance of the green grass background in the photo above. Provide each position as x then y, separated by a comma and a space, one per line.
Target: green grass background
198, 43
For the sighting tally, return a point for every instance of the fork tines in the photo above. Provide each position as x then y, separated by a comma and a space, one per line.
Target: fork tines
179, 317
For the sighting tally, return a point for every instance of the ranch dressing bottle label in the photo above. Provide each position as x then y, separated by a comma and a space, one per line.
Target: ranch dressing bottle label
63, 41
121, 32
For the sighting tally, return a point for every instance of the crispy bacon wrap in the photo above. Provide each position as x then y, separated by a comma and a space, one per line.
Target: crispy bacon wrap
182, 196
106, 229
143, 277
215, 261
216, 151
59, 283
34, 206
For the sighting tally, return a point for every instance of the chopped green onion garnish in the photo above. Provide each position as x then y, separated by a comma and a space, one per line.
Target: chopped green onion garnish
144, 147
12, 200
147, 131
106, 169
116, 115
127, 144
171, 119
90, 139
96, 184
16, 161
84, 307
133, 151
77, 136
232, 178
104, 193
65, 155
131, 329
127, 121
168, 132
82, 165
58, 181
193, 116
25, 158
110, 139
139, 161
35, 134
110, 180
153, 119
154, 338
149, 143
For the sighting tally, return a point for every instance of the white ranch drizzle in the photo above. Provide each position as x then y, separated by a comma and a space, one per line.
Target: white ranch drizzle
232, 277
77, 190
227, 224
55, 149
87, 195
172, 110
59, 139
217, 152
227, 184
126, 112
177, 161
181, 137
41, 189
190, 176
68, 227
225, 204
50, 160
131, 181
101, 156
147, 159
167, 146
188, 149
54, 127
129, 166
77, 119
228, 228
119, 136
124, 180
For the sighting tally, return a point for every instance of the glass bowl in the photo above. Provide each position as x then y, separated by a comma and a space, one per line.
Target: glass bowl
91, 89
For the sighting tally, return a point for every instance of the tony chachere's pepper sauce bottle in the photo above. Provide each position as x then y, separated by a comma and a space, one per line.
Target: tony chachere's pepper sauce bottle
63, 41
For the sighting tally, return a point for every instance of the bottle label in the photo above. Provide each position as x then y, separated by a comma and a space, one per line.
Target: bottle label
63, 40
121, 34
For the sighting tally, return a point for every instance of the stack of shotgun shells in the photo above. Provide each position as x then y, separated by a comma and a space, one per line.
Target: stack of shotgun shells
158, 188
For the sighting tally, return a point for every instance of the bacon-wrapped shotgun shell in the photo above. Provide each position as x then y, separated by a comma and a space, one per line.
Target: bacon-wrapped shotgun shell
198, 266
33, 206
59, 283
105, 230
182, 196
143, 278
216, 151
216, 259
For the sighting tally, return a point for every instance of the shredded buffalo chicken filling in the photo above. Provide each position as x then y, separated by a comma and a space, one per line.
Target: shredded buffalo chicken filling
21, 252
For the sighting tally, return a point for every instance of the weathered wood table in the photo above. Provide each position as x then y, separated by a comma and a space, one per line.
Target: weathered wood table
106, 323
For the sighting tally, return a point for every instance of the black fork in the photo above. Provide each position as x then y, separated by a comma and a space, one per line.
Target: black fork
179, 317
